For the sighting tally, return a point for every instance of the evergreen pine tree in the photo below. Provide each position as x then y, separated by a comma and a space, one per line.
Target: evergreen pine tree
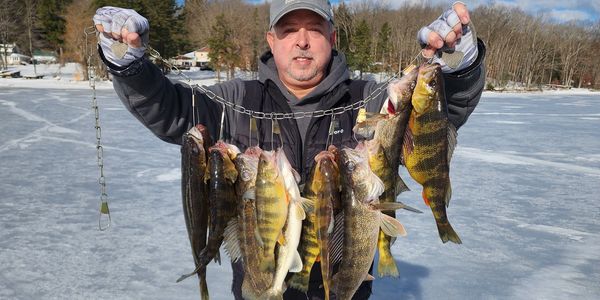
383, 45
361, 41
221, 48
50, 23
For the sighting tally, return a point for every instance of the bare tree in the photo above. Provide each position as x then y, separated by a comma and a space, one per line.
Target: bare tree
79, 15
10, 23
529, 50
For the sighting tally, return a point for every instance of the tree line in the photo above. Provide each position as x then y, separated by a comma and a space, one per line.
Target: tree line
521, 48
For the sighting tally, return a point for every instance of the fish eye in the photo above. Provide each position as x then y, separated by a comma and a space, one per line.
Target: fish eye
351, 166
246, 175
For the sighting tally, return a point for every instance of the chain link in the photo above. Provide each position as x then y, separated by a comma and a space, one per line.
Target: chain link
103, 223
272, 115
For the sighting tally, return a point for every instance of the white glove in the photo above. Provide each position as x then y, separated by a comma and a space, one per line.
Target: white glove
117, 24
464, 52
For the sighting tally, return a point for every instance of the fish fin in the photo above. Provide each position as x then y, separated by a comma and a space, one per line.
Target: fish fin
299, 281
447, 233
392, 206
407, 144
281, 239
297, 176
410, 208
300, 214
401, 186
452, 140
185, 276
386, 265
336, 240
391, 226
401, 157
218, 257
259, 239
333, 287
425, 198
231, 240
308, 205
296, 263
331, 223
448, 194
369, 277
249, 194
376, 188
203, 288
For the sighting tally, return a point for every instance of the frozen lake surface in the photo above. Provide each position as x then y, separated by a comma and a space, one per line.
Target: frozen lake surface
525, 178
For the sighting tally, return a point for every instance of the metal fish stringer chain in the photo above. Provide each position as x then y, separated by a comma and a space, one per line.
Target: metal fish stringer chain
277, 115
104, 219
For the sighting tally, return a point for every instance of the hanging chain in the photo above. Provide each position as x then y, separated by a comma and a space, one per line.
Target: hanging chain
104, 219
273, 115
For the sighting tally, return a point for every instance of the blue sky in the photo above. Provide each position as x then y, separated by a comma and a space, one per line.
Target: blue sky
559, 10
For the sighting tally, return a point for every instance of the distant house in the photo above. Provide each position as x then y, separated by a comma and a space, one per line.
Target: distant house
10, 54
44, 56
198, 58
18, 59
184, 61
202, 59
8, 48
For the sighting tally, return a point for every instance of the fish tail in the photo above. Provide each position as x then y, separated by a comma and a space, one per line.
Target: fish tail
326, 288
447, 233
203, 288
386, 266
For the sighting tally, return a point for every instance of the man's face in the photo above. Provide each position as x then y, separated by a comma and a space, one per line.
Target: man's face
301, 44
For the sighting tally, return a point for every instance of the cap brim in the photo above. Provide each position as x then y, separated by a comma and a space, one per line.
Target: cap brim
298, 6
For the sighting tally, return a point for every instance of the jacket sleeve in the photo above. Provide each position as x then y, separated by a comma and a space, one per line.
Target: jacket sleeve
463, 90
165, 107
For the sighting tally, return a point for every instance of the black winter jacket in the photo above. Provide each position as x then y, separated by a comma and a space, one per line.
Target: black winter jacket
165, 106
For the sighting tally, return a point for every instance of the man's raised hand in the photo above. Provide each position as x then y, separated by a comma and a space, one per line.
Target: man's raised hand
450, 39
121, 25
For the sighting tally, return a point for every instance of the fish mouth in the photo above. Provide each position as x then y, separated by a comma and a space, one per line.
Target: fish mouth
428, 73
195, 132
268, 157
253, 151
325, 155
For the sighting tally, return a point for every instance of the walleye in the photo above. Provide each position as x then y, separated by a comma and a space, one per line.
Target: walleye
271, 208
362, 220
384, 154
195, 193
288, 258
221, 175
386, 265
255, 283
428, 145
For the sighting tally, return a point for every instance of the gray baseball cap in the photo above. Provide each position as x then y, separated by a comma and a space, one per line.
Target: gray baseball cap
279, 8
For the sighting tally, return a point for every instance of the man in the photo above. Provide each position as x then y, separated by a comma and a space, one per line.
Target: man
300, 73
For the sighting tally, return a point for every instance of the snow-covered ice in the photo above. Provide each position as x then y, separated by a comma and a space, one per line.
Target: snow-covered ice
525, 177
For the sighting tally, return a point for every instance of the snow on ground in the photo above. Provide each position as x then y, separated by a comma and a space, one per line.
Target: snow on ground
525, 176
